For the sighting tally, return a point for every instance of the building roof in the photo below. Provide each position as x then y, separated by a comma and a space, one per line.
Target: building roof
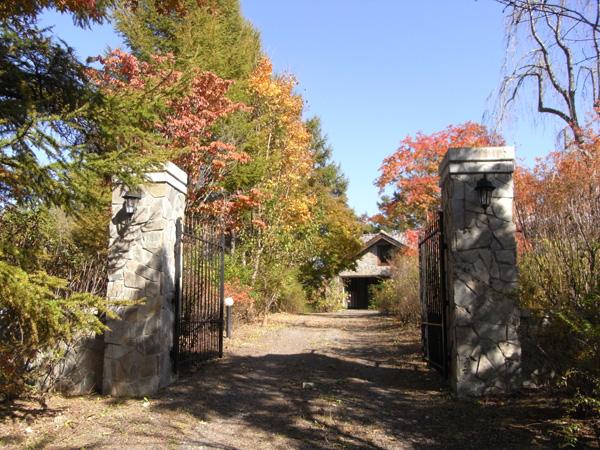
396, 235
370, 239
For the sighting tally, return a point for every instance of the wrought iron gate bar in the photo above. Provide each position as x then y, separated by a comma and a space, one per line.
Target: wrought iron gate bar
198, 333
432, 275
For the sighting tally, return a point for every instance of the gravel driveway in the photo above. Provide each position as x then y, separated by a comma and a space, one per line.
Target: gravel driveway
352, 379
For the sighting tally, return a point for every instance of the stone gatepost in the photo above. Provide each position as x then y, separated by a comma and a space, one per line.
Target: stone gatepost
142, 266
485, 353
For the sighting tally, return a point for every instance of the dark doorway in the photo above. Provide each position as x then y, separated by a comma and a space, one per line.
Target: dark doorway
358, 291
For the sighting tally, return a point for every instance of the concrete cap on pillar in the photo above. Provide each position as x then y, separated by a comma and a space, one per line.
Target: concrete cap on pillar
469, 160
172, 175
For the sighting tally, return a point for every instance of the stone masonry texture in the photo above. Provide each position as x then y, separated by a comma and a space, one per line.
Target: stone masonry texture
483, 319
142, 269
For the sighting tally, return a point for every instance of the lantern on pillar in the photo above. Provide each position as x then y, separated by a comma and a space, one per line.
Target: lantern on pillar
484, 189
131, 200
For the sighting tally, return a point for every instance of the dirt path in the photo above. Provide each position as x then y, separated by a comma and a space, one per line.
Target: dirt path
340, 380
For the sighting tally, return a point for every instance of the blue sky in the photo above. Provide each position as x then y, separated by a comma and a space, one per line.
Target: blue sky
377, 71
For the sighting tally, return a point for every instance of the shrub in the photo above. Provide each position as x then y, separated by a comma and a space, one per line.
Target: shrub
383, 297
274, 287
244, 308
558, 207
39, 314
399, 295
332, 297
236, 270
292, 298
278, 289
52, 282
560, 283
74, 249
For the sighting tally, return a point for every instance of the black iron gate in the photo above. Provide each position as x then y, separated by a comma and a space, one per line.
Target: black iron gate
198, 333
432, 275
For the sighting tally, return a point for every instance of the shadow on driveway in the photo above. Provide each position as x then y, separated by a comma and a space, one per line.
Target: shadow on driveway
367, 389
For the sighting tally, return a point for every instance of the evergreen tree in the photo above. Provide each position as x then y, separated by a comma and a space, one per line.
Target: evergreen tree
335, 239
61, 141
209, 35
327, 173
44, 120
60, 137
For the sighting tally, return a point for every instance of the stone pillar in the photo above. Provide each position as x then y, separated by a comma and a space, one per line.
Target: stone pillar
485, 353
142, 266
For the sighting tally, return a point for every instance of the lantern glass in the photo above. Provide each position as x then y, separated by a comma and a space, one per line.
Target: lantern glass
129, 205
485, 198
485, 188
131, 199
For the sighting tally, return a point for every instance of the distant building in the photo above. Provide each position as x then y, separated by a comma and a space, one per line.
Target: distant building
372, 266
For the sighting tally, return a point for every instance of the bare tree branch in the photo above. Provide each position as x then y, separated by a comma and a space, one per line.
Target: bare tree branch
557, 41
553, 8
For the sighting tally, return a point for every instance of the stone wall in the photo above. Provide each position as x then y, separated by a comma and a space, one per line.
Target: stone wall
368, 265
80, 371
483, 319
142, 266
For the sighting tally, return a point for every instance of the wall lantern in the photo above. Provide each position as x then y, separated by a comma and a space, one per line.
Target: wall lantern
131, 200
485, 188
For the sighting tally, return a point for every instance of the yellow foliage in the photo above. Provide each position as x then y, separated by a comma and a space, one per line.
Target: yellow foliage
288, 143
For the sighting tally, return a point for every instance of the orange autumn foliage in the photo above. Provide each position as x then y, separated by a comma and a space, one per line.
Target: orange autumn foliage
557, 206
190, 108
556, 183
412, 242
241, 295
412, 172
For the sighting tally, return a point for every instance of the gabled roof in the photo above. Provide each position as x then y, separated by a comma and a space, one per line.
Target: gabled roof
373, 238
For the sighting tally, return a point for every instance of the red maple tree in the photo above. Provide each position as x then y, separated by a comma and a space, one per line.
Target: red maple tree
412, 172
184, 110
